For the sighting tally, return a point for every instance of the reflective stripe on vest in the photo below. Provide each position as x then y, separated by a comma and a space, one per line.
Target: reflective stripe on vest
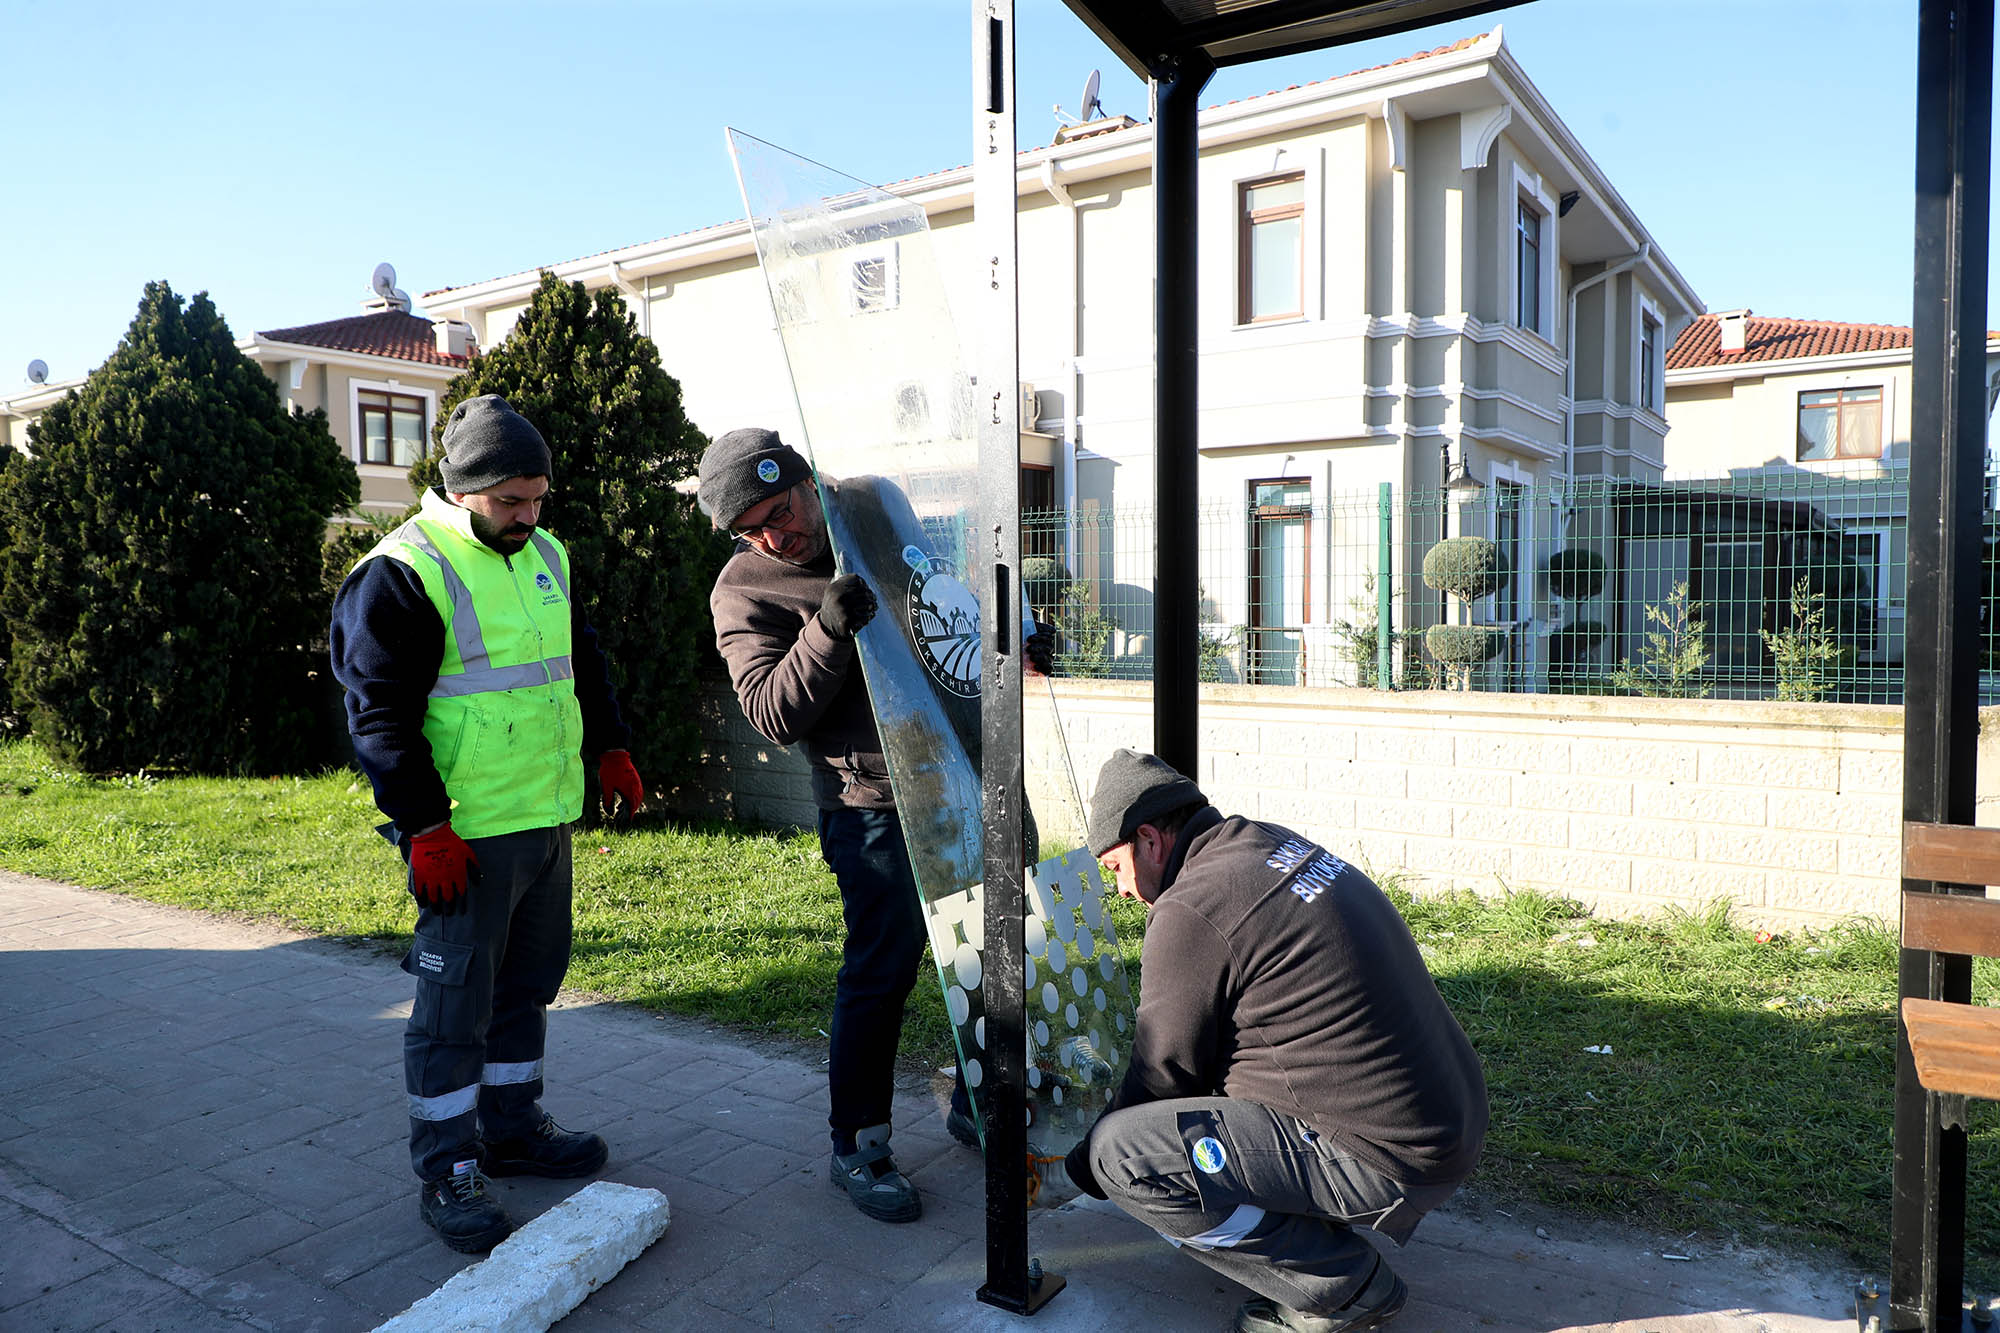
478, 677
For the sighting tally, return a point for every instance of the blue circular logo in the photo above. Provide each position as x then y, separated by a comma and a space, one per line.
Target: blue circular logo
1209, 1157
544, 582
767, 470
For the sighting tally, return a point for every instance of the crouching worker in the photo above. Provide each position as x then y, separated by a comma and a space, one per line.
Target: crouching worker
474, 688
1295, 1075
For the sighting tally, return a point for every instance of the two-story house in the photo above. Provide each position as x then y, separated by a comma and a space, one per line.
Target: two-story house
1411, 273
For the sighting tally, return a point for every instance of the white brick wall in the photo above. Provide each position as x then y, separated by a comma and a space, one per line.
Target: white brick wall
1789, 811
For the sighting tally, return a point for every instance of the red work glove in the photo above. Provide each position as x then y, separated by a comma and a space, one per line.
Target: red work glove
621, 792
442, 866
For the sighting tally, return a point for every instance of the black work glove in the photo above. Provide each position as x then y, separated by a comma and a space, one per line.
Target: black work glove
1077, 1164
1039, 649
847, 606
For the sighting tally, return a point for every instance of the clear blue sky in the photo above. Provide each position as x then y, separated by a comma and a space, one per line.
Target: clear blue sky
272, 153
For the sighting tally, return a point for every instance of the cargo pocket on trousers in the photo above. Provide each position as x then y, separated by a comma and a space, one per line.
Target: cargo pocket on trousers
440, 969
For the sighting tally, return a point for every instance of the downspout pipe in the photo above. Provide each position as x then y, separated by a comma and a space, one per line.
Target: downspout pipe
1060, 193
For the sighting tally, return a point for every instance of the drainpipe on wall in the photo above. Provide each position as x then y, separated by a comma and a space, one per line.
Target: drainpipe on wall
1629, 262
1061, 195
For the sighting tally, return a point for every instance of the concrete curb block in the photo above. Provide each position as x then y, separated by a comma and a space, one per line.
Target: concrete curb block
545, 1269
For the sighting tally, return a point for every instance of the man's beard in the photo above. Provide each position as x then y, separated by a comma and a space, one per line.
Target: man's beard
506, 540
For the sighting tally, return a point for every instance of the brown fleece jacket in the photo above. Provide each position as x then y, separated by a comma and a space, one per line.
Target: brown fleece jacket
798, 684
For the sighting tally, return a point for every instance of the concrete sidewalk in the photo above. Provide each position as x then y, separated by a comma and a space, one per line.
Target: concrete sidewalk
203, 1129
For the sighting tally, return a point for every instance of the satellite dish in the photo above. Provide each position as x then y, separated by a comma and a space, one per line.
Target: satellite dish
38, 371
1089, 99
384, 281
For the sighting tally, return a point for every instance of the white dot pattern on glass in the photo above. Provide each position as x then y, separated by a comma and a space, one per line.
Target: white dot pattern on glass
966, 963
1072, 977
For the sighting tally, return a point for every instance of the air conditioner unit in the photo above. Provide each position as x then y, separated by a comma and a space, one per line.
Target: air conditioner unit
1031, 411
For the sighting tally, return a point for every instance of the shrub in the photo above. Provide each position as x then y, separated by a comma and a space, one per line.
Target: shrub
1808, 655
1572, 643
162, 571
1462, 647
1673, 657
645, 558
1043, 579
1466, 567
1576, 573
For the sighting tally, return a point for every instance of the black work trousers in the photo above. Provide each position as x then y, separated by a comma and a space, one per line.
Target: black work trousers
878, 963
472, 1052
1260, 1197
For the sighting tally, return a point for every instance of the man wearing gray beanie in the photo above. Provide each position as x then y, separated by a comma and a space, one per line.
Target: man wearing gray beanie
1295, 1074
785, 625
474, 689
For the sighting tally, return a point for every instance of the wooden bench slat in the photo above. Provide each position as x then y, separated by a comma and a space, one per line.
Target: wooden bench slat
1956, 1046
1951, 923
1951, 853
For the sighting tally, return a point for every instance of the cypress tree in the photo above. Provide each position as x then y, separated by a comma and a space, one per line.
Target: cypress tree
577, 367
162, 561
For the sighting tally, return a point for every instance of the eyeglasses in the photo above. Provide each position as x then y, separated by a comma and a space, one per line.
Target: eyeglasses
774, 520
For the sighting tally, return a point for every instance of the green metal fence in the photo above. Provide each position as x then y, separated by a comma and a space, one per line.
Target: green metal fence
1776, 583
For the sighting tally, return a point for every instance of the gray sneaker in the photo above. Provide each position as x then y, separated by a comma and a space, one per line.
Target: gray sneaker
872, 1182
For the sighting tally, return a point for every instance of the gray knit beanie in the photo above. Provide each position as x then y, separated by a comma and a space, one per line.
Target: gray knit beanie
743, 468
487, 442
1134, 789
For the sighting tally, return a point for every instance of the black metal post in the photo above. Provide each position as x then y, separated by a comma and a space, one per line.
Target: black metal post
1941, 686
1011, 1280
1177, 81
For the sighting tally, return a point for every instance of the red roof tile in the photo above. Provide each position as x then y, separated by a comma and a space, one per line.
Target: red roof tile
394, 333
1769, 339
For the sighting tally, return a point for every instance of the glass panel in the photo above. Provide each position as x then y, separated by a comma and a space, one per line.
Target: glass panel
1528, 278
1274, 267
903, 509
1817, 427
374, 436
1274, 194
1861, 426
409, 432
1732, 601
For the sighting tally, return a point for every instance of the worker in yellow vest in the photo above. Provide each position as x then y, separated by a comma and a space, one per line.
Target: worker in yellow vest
474, 689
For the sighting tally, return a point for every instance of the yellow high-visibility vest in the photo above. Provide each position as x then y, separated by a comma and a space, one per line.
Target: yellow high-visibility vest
503, 723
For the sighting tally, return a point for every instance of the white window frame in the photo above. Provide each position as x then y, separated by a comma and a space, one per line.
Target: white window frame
1526, 187
1310, 167
892, 278
1649, 309
356, 444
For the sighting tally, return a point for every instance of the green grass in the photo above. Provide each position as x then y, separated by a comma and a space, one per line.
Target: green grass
1747, 1093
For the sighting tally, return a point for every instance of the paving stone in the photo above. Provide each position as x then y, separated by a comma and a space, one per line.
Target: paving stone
38, 1257
175, 1312
317, 1185
147, 1198
221, 1207
781, 1124
86, 1305
272, 1296
334, 1254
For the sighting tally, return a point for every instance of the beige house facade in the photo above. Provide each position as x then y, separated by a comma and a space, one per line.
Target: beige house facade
1407, 271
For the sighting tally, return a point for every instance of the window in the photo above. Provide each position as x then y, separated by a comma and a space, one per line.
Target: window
1041, 525
874, 282
1270, 249
1280, 535
1840, 423
1527, 265
392, 427
1650, 364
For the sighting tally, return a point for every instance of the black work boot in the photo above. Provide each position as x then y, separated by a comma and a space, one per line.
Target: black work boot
463, 1214
546, 1150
